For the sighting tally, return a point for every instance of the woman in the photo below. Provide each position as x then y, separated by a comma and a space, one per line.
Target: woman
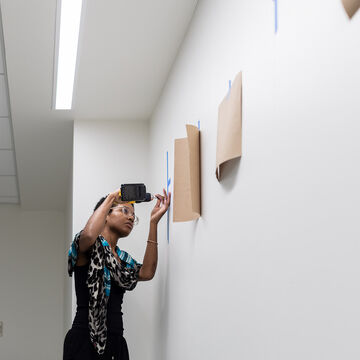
103, 273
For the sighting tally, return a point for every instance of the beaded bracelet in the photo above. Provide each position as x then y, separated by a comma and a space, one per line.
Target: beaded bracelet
154, 242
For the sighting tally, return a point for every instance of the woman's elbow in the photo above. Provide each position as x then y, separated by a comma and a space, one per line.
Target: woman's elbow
146, 275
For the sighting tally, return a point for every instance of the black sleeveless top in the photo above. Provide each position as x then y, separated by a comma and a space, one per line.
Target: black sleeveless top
114, 320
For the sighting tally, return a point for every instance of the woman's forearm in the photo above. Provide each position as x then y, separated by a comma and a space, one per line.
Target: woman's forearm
96, 223
149, 265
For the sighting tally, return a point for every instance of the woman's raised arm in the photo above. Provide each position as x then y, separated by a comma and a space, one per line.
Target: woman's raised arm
96, 222
149, 265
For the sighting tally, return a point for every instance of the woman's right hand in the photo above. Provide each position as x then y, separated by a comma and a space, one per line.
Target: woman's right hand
161, 207
116, 197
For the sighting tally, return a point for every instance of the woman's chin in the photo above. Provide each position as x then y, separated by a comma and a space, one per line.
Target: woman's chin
125, 231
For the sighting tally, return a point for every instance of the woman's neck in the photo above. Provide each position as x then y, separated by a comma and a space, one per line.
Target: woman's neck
111, 238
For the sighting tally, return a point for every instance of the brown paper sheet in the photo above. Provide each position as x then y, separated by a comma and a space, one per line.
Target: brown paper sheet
351, 7
187, 176
229, 126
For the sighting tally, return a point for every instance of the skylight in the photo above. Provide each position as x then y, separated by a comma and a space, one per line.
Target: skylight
70, 16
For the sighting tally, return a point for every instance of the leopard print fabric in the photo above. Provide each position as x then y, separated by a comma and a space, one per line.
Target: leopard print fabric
103, 267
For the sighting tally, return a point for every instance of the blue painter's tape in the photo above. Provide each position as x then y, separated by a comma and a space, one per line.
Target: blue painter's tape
167, 171
168, 226
228, 94
199, 124
276, 15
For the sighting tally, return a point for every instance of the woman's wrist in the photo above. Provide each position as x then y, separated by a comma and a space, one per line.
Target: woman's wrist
153, 222
152, 242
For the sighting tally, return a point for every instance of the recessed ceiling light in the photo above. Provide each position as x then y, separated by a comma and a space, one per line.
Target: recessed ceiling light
68, 38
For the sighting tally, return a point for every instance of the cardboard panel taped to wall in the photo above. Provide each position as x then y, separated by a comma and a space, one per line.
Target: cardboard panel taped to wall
187, 176
229, 126
351, 7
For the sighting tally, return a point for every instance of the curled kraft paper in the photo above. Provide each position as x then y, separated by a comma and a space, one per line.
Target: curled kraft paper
187, 176
351, 7
229, 126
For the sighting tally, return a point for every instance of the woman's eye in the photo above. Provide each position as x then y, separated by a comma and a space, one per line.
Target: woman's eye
126, 211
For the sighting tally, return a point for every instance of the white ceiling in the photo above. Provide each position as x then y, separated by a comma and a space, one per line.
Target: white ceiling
8, 179
126, 52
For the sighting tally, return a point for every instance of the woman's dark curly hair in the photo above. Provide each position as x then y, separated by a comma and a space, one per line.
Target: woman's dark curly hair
100, 202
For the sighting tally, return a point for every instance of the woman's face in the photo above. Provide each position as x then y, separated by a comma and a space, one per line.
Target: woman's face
121, 219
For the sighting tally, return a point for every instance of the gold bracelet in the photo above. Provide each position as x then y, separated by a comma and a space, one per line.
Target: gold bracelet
154, 242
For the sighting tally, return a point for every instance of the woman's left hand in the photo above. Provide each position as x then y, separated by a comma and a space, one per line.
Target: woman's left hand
161, 206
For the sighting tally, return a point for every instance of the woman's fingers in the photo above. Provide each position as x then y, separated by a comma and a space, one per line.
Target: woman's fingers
169, 198
163, 202
166, 196
160, 199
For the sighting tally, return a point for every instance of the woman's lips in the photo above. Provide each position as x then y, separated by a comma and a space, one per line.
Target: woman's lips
130, 225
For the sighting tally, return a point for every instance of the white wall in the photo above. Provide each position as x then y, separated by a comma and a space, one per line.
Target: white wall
271, 269
31, 279
68, 285
106, 155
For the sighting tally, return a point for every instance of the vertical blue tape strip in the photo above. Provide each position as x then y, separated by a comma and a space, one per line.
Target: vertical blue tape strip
168, 227
167, 171
228, 94
199, 124
276, 15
